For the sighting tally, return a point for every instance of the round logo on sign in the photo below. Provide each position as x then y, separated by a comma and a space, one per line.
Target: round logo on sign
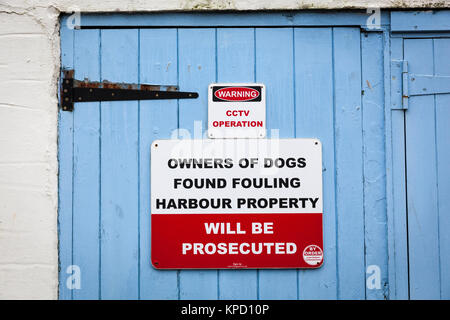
313, 255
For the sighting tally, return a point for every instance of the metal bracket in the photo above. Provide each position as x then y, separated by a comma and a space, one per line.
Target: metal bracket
87, 91
399, 84
420, 85
405, 85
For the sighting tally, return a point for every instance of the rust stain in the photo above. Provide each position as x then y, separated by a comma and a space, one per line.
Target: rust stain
105, 84
68, 73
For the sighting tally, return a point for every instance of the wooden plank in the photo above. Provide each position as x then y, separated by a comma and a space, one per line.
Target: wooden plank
197, 69
375, 219
275, 68
65, 161
418, 21
349, 163
396, 191
423, 228
442, 67
229, 19
157, 120
236, 63
389, 164
86, 173
119, 170
443, 171
315, 118
399, 257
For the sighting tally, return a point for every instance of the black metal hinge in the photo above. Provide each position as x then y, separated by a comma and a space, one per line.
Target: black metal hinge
87, 91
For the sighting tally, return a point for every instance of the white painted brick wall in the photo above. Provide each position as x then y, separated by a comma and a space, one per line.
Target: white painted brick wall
29, 66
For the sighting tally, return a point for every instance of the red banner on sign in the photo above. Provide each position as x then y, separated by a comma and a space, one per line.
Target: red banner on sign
280, 240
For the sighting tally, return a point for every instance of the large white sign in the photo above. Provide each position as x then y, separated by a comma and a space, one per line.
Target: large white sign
236, 203
236, 110
236, 176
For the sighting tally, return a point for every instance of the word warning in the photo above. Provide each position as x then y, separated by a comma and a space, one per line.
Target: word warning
236, 203
236, 110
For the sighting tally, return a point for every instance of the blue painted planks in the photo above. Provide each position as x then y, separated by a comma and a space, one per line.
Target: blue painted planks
275, 68
197, 69
236, 63
236, 55
398, 255
119, 173
65, 161
86, 169
423, 228
157, 120
231, 19
443, 171
349, 163
442, 67
397, 216
314, 117
413, 21
375, 219
352, 224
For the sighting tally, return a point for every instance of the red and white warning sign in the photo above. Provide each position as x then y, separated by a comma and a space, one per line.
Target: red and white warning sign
236, 203
236, 110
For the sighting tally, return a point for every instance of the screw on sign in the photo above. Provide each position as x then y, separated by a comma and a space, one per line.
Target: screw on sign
313, 255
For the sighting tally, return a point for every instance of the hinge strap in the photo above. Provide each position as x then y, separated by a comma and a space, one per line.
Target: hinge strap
420, 85
399, 88
86, 91
405, 87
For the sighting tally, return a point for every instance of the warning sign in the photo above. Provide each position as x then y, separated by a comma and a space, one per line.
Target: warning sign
240, 203
237, 110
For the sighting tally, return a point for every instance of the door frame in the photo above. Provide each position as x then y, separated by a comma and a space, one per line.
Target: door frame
404, 25
395, 26
354, 19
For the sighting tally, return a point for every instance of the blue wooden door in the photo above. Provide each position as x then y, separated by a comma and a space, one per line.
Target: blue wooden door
322, 81
427, 133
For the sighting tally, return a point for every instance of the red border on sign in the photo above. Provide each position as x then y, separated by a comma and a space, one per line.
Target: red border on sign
170, 231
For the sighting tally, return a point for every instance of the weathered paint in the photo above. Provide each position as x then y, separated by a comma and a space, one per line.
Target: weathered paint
333, 87
416, 246
375, 217
319, 93
29, 96
427, 173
